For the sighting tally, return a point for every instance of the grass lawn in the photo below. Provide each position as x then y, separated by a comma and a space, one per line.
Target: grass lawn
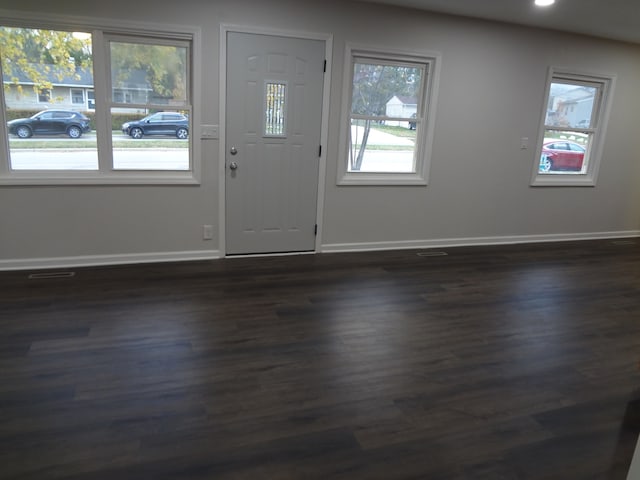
397, 131
398, 148
119, 141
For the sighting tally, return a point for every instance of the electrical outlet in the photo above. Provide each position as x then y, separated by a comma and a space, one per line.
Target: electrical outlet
207, 232
524, 143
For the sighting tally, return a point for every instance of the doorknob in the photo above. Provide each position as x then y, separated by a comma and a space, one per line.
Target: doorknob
233, 150
233, 165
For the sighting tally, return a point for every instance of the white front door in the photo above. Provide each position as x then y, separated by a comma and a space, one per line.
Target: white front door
273, 123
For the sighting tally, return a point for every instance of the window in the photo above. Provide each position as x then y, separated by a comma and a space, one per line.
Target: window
573, 126
121, 97
110, 137
32, 126
149, 76
388, 117
77, 96
44, 95
91, 100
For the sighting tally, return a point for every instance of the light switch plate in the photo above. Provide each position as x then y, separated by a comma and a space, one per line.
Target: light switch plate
209, 132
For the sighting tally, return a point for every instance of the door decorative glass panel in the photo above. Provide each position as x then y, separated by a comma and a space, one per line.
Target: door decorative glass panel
275, 112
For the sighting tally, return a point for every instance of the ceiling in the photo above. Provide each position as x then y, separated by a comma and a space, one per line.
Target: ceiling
614, 19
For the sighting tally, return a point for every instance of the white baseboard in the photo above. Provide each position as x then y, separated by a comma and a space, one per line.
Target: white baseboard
474, 241
159, 257
100, 260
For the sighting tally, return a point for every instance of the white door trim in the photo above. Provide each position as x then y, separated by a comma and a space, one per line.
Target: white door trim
326, 95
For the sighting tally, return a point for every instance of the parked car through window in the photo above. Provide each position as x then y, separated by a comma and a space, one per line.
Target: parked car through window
51, 122
161, 123
561, 155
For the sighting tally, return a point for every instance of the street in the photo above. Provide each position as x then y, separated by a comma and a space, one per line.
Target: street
157, 157
86, 159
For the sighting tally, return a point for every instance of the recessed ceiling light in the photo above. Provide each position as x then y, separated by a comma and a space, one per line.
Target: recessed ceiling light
544, 3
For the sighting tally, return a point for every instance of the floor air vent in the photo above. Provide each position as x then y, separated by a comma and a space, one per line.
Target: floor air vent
48, 275
432, 254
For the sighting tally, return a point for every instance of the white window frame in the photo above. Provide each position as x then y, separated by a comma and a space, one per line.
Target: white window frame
601, 112
46, 92
425, 116
81, 90
106, 175
125, 103
89, 99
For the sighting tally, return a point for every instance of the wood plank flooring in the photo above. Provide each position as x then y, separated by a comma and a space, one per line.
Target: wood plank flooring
510, 362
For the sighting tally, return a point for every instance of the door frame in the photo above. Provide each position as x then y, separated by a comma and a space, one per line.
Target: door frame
324, 132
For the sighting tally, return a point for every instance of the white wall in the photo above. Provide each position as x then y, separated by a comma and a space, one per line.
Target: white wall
491, 94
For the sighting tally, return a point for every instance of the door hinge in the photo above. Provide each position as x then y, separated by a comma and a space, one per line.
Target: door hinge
315, 229
324, 69
320, 150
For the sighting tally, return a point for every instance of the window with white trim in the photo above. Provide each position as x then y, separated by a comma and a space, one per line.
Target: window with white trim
135, 124
77, 96
573, 126
150, 100
388, 117
53, 134
44, 95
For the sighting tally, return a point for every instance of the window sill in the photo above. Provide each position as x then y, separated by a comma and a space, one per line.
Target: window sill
369, 178
94, 178
563, 180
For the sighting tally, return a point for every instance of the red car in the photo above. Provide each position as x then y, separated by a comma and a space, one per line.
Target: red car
561, 155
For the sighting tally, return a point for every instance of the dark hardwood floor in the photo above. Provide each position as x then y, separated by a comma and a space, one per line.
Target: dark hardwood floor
510, 362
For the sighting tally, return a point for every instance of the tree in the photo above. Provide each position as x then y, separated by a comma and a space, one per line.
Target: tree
164, 68
373, 86
40, 54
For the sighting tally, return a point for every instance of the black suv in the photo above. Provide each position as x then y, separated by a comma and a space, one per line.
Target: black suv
161, 123
51, 122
